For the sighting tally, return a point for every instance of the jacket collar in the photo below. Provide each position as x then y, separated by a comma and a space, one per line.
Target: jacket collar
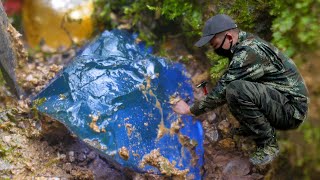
242, 36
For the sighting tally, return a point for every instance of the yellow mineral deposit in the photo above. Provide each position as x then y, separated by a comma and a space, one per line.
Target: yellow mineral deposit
166, 168
148, 86
126, 119
162, 130
62, 97
135, 154
124, 153
227, 143
175, 126
93, 124
129, 129
185, 141
143, 90
57, 22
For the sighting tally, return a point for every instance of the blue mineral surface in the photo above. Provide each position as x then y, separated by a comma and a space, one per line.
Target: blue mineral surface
115, 96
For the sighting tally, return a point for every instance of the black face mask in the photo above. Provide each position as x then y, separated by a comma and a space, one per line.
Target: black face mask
224, 52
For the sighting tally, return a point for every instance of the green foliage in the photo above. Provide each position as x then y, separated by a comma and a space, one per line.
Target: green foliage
151, 18
2, 83
157, 17
292, 25
245, 13
311, 159
219, 64
4, 150
180, 9
296, 25
34, 109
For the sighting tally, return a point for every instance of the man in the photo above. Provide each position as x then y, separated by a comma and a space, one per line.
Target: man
261, 86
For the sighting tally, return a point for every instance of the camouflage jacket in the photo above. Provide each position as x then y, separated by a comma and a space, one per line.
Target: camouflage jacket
256, 60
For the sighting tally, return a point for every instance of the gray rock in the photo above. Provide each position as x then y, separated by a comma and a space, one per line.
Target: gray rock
237, 168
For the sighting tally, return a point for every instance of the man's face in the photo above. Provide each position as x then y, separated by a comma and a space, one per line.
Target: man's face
216, 41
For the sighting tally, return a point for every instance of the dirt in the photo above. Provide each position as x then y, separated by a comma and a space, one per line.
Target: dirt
124, 153
166, 168
93, 124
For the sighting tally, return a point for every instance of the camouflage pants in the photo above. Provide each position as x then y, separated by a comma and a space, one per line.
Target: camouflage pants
261, 109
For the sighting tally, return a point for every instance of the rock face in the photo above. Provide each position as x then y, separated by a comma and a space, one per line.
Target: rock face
116, 95
9, 52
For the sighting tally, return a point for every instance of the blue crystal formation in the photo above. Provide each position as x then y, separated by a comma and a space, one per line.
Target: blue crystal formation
115, 96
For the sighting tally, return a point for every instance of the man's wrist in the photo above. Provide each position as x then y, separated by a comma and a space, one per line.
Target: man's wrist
189, 112
194, 109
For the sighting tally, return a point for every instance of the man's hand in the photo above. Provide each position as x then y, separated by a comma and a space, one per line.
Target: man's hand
181, 107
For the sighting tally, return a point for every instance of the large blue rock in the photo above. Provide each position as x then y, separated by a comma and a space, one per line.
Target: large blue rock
116, 94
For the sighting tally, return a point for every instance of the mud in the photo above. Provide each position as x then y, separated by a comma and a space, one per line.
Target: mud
93, 124
166, 168
124, 153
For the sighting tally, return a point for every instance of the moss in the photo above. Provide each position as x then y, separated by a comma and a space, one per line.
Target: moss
34, 109
2, 83
4, 151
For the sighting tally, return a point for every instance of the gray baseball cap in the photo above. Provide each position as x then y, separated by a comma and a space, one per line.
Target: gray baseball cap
215, 25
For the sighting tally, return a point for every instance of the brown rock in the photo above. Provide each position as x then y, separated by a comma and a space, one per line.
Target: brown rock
212, 134
224, 126
227, 143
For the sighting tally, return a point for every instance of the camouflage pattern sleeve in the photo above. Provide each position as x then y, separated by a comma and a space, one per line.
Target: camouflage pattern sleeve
245, 64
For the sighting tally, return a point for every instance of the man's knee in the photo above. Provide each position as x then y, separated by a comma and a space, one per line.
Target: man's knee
234, 90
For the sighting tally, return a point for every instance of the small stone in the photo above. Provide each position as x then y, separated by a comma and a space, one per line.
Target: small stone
85, 150
124, 153
211, 118
82, 157
227, 143
212, 135
71, 156
237, 167
6, 139
67, 167
63, 156
224, 126
91, 155
21, 125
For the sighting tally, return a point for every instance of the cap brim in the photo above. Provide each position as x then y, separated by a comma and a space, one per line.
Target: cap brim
204, 40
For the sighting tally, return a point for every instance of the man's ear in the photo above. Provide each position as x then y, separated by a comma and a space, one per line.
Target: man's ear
229, 36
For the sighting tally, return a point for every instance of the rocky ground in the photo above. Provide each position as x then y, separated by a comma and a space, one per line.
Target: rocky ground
36, 147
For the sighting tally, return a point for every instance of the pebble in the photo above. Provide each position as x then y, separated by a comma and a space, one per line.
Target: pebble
82, 157
91, 155
67, 167
71, 156
237, 167
6, 139
212, 135
224, 126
